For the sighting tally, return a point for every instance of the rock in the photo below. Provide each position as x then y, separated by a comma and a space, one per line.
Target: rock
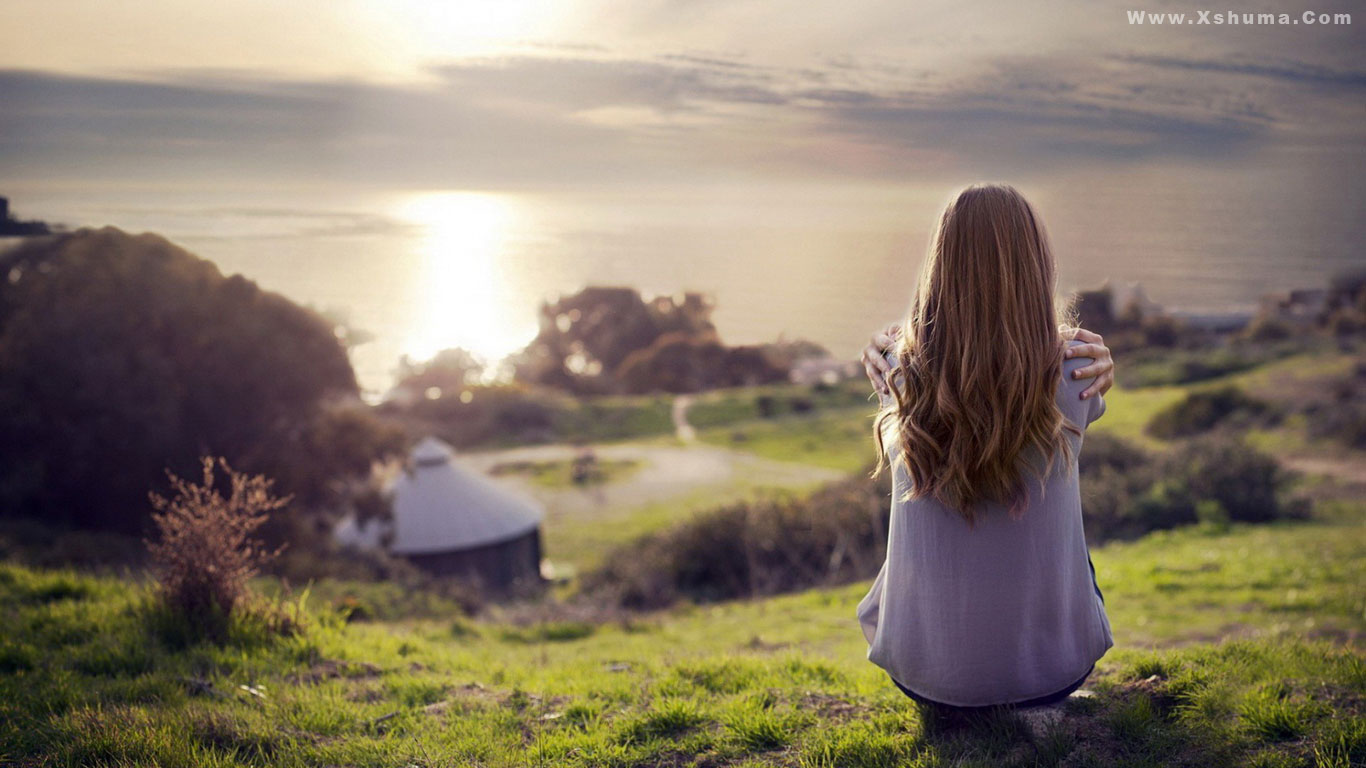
1040, 720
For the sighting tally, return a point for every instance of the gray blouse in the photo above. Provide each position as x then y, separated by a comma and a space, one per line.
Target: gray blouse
1003, 613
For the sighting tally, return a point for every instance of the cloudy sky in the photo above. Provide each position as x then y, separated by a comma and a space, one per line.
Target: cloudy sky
534, 94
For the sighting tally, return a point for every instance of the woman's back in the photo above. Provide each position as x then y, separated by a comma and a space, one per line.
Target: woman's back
1002, 612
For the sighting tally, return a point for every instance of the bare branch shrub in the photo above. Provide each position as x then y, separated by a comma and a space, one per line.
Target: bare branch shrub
205, 552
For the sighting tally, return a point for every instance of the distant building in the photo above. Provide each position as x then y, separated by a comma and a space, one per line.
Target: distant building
1096, 309
451, 520
1302, 307
1214, 322
1130, 296
822, 370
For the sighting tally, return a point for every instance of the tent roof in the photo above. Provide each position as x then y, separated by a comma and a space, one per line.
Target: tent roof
441, 505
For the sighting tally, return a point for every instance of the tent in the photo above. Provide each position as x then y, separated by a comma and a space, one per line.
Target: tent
454, 521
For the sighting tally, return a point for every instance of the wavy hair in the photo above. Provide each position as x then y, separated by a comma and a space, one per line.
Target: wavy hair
979, 359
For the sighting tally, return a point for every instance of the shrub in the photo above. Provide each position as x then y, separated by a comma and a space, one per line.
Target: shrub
205, 552
1343, 417
1245, 481
1346, 322
1202, 411
836, 535
1115, 475
1103, 450
1344, 422
1268, 328
1212, 480
1162, 331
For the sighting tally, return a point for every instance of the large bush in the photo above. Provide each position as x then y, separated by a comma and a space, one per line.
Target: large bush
1342, 416
1126, 493
1204, 410
122, 355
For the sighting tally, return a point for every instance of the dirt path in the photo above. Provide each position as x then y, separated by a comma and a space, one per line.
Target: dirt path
666, 472
682, 428
1350, 470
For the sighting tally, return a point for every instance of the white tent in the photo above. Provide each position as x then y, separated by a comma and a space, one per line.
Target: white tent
451, 518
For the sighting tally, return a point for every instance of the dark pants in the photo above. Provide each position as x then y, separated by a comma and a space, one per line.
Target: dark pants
1035, 702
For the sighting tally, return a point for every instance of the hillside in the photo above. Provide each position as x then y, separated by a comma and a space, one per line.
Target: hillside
1235, 644
1232, 648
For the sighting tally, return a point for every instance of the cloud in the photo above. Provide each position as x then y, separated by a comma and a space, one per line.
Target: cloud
1284, 71
581, 115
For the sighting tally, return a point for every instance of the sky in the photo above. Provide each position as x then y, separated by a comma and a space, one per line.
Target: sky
588, 95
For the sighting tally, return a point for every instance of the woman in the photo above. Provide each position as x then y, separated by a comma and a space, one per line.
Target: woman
987, 596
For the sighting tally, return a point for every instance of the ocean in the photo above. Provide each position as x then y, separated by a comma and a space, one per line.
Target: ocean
421, 270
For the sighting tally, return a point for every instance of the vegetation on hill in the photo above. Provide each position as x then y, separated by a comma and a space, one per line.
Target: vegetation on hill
779, 543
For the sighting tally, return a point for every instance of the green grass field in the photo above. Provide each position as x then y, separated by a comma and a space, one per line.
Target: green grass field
1241, 647
840, 439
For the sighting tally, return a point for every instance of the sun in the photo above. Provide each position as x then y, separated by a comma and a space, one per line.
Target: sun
473, 27
460, 295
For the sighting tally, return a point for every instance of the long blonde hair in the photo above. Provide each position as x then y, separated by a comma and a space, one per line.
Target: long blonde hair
979, 358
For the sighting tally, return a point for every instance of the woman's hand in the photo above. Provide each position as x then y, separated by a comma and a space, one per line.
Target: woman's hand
874, 364
1102, 367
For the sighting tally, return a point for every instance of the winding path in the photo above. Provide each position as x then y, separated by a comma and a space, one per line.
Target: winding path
666, 472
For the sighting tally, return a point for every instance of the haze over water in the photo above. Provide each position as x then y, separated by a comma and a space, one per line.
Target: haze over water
430, 269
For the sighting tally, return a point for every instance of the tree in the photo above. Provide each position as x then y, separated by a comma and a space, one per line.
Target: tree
585, 338
122, 356
678, 363
450, 370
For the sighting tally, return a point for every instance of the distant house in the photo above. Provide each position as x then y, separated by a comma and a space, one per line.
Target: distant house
1214, 322
1300, 307
1112, 306
451, 520
822, 370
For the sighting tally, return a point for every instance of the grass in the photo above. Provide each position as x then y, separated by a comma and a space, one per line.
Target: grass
1199, 584
839, 439
842, 439
1240, 647
1158, 366
729, 406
